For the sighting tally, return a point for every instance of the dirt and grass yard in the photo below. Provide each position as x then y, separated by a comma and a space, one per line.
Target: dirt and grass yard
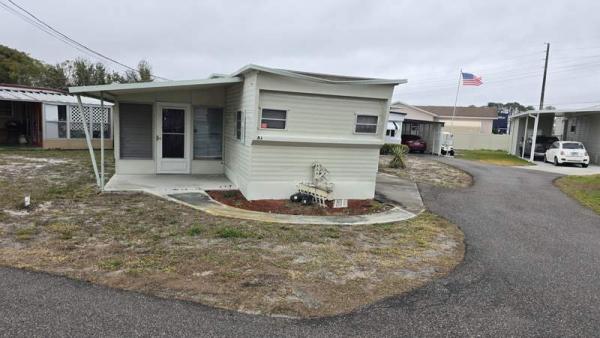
143, 243
497, 157
585, 189
423, 169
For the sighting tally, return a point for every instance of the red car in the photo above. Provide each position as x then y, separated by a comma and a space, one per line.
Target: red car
414, 143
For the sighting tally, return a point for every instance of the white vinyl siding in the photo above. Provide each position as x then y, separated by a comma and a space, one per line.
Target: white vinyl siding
317, 116
277, 169
236, 153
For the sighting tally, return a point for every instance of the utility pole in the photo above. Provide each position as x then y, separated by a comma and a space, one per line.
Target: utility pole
544, 80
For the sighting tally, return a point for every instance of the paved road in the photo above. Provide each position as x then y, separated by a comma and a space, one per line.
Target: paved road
532, 268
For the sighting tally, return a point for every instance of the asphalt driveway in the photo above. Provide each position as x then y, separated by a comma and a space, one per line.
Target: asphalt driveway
531, 269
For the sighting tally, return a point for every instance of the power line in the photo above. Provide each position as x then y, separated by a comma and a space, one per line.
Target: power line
40, 24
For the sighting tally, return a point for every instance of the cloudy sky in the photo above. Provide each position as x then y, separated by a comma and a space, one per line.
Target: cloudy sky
426, 42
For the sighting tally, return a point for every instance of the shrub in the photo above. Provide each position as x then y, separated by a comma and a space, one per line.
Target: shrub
195, 230
399, 152
231, 233
386, 149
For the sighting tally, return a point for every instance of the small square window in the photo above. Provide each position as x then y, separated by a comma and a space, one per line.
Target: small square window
366, 124
273, 119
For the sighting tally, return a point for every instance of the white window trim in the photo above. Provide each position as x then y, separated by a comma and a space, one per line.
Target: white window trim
356, 115
287, 114
235, 121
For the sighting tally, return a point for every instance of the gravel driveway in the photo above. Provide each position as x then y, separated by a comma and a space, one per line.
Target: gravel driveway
531, 269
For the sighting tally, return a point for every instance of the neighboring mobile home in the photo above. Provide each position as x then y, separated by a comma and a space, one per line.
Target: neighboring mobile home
263, 128
478, 120
50, 118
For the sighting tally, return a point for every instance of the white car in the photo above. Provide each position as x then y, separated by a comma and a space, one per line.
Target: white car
561, 152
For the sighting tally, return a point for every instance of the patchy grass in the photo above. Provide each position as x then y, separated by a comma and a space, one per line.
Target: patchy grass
585, 189
139, 242
422, 169
497, 157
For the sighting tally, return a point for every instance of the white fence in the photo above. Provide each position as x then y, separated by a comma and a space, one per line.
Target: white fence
481, 141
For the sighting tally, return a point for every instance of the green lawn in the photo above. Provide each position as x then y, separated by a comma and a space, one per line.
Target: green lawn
585, 189
497, 157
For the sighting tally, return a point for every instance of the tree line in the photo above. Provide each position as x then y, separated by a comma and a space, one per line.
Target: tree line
17, 67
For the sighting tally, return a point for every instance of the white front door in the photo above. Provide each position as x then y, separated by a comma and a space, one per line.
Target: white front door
172, 139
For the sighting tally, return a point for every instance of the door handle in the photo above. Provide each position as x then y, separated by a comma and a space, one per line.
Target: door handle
158, 138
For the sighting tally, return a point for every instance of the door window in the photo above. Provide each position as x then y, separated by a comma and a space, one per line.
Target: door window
173, 133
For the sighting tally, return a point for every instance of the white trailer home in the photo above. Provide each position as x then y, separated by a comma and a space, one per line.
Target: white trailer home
261, 128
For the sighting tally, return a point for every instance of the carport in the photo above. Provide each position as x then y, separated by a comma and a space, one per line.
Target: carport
581, 125
430, 131
421, 123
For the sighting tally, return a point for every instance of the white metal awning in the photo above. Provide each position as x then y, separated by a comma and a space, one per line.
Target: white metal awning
29, 94
392, 125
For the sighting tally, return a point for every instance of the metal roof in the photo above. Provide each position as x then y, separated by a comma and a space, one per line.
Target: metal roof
320, 77
220, 79
44, 95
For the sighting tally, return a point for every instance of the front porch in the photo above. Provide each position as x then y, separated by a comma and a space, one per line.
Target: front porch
168, 184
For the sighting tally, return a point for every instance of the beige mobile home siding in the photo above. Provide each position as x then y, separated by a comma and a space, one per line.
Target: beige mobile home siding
239, 97
319, 116
277, 169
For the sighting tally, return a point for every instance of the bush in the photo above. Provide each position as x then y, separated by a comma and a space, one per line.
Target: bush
399, 152
386, 149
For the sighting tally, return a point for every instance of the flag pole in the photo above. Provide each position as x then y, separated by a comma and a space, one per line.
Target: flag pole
455, 101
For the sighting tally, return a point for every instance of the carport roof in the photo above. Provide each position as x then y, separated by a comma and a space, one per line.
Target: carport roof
592, 109
11, 92
140, 87
474, 112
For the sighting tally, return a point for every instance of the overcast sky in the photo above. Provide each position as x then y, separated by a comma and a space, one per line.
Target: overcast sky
426, 42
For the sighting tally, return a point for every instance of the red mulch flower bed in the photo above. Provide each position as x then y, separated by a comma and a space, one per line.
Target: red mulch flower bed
235, 198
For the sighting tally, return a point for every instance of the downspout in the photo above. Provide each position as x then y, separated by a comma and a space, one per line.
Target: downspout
88, 141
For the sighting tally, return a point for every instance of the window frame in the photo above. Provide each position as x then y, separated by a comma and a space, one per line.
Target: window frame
285, 121
207, 108
356, 115
58, 122
239, 119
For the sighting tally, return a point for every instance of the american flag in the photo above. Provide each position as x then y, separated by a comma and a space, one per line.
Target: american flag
471, 80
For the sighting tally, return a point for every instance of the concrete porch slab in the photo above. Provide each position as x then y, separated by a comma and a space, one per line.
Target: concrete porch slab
168, 184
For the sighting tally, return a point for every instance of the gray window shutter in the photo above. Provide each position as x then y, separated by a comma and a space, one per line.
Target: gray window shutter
135, 125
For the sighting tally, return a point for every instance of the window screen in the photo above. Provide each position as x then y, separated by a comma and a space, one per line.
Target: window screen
208, 133
366, 124
273, 119
135, 124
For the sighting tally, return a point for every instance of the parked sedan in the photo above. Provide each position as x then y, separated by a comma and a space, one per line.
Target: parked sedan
562, 152
542, 143
414, 143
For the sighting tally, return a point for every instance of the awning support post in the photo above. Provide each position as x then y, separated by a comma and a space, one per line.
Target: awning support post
525, 137
102, 125
533, 137
88, 140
